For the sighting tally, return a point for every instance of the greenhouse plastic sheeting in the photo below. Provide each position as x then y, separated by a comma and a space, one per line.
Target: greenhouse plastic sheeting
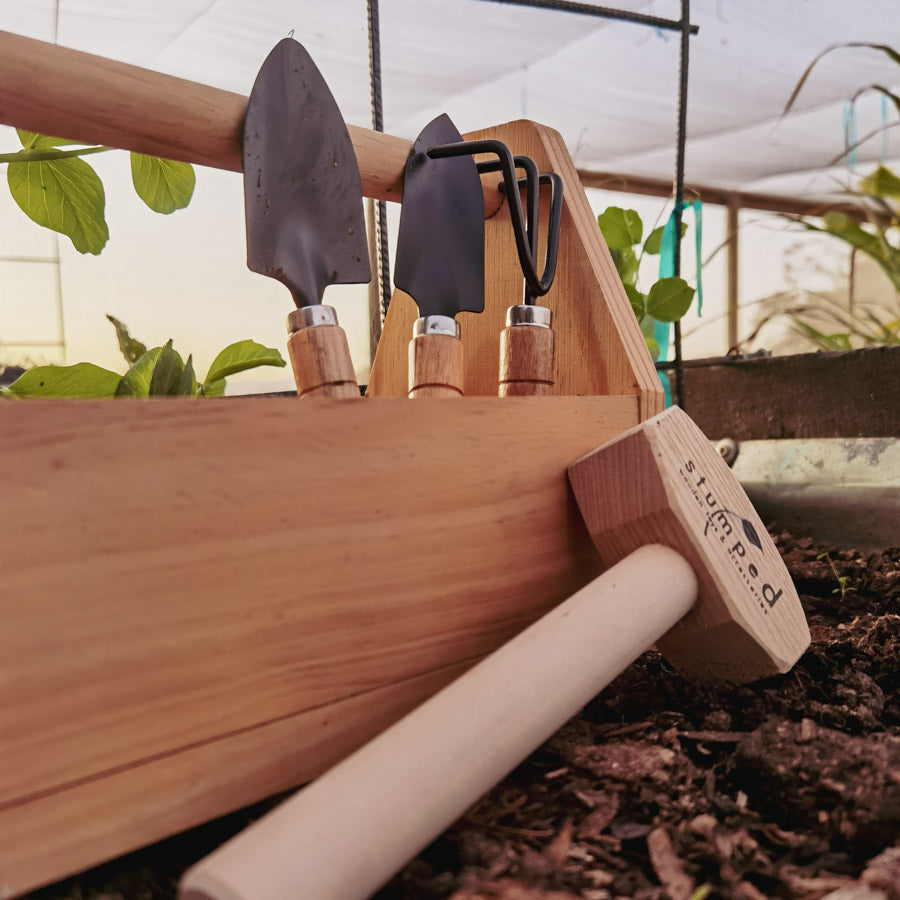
609, 87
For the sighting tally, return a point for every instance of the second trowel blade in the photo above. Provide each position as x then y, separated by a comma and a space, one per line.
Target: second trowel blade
440, 245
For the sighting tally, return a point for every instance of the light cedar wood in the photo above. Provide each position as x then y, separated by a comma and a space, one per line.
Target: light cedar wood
663, 482
435, 366
320, 358
344, 835
182, 572
526, 361
50, 836
76, 95
695, 572
599, 346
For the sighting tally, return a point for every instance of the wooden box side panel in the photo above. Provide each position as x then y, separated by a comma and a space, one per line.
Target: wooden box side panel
599, 347
181, 572
55, 835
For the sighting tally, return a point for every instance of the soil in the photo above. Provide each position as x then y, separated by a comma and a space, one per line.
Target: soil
660, 788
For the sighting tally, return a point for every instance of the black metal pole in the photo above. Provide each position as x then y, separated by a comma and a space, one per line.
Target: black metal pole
678, 396
384, 260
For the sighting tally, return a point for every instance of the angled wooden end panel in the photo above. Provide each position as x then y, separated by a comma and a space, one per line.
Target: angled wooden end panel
599, 347
185, 572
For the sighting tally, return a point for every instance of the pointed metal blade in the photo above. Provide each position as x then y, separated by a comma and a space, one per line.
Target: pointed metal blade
302, 190
440, 246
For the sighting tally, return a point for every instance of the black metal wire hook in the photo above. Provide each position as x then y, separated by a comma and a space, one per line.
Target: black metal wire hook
532, 183
524, 224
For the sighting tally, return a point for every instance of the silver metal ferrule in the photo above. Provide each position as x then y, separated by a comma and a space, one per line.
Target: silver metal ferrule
310, 316
435, 325
528, 315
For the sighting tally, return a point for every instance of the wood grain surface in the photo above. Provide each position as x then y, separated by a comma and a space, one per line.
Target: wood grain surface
526, 361
662, 482
320, 359
184, 573
435, 366
599, 346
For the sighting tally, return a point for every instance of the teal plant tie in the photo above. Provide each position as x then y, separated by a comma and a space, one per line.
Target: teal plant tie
663, 330
850, 133
698, 241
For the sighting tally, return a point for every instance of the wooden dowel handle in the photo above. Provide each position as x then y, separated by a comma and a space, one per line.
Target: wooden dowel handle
526, 361
436, 366
320, 358
348, 832
66, 93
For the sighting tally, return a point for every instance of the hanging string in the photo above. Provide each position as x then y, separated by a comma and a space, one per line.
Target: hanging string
381, 234
849, 126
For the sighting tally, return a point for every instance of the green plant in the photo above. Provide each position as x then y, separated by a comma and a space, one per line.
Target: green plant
668, 298
157, 372
877, 236
844, 586
57, 189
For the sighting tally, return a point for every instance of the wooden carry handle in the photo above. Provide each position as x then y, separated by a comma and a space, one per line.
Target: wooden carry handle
320, 358
526, 361
72, 94
349, 831
436, 365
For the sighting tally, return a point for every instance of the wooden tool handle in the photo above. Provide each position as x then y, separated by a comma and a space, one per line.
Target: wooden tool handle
71, 94
349, 831
436, 366
526, 361
320, 357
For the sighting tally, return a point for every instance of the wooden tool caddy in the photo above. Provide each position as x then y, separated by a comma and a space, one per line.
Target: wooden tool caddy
205, 603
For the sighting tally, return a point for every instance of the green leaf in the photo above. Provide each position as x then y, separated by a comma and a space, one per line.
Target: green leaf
653, 244
131, 348
825, 341
669, 299
637, 300
31, 140
843, 227
884, 48
621, 228
653, 347
239, 357
626, 263
213, 388
80, 380
167, 373
64, 195
881, 183
136, 381
187, 384
163, 184
880, 89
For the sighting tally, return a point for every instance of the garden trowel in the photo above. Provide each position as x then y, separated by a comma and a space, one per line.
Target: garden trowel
440, 257
304, 211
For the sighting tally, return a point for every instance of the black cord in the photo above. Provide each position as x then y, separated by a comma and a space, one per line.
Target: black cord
678, 396
381, 234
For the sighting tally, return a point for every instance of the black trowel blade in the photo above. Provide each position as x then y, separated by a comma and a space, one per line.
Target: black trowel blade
302, 190
440, 246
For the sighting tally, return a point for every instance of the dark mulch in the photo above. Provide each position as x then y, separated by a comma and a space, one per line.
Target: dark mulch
787, 788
